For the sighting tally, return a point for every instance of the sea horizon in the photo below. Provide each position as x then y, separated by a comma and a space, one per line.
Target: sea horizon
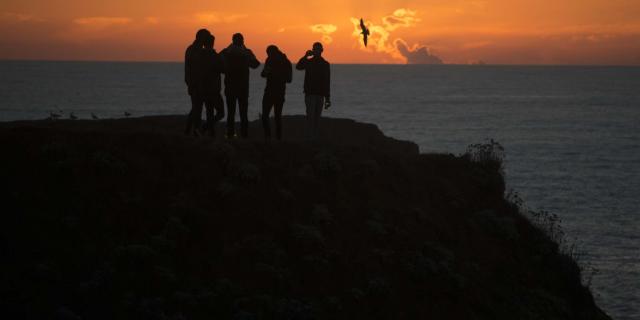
347, 63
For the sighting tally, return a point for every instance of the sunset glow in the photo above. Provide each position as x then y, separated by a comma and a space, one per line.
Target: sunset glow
492, 31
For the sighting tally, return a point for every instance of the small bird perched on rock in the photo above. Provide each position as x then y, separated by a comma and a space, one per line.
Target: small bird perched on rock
93, 116
72, 116
365, 31
53, 115
127, 114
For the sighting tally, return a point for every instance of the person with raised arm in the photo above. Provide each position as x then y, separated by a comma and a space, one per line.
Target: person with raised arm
317, 85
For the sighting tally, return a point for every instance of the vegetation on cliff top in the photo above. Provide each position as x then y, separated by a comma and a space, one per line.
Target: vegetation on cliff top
145, 224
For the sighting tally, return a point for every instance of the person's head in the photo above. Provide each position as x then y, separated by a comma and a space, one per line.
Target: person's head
272, 50
317, 49
201, 36
208, 42
238, 39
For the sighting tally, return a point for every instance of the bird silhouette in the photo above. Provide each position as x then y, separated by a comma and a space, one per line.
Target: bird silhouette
53, 115
93, 116
365, 32
72, 116
127, 114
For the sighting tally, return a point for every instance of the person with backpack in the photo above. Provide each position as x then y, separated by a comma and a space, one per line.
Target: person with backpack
278, 72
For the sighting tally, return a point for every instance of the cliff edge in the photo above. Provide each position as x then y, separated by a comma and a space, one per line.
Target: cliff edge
129, 219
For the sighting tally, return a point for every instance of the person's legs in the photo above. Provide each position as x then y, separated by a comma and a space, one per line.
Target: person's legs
319, 104
215, 112
243, 106
209, 126
277, 116
308, 101
266, 109
195, 102
195, 115
189, 124
187, 128
218, 105
231, 115
314, 110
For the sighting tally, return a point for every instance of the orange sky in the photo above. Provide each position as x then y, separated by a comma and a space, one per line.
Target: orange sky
456, 31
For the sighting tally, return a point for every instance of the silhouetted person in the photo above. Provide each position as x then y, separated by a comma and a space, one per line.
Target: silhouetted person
193, 76
212, 84
278, 71
317, 83
238, 59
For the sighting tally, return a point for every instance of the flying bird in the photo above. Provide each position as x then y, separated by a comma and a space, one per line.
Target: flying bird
365, 31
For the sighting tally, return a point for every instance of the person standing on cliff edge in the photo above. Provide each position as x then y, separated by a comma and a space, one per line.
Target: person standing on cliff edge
212, 84
194, 71
317, 84
277, 71
238, 59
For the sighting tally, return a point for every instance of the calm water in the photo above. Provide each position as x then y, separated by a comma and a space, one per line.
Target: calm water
571, 134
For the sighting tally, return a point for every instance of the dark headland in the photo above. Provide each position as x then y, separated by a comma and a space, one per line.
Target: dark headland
130, 219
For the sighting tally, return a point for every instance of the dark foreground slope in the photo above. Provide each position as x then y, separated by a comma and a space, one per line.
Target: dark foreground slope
124, 219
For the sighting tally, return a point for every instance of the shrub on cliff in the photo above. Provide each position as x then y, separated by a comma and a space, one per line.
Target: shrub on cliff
490, 153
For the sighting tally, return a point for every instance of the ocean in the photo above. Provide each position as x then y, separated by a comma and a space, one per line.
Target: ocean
571, 133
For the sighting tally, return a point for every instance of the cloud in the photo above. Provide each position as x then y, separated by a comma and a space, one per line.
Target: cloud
476, 44
326, 30
294, 27
212, 17
19, 17
152, 20
93, 28
417, 54
102, 22
380, 34
400, 18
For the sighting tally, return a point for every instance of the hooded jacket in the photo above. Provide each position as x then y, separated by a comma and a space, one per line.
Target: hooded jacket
193, 68
278, 71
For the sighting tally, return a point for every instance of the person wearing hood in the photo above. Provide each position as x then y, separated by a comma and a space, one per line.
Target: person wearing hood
238, 59
194, 77
278, 72
212, 84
